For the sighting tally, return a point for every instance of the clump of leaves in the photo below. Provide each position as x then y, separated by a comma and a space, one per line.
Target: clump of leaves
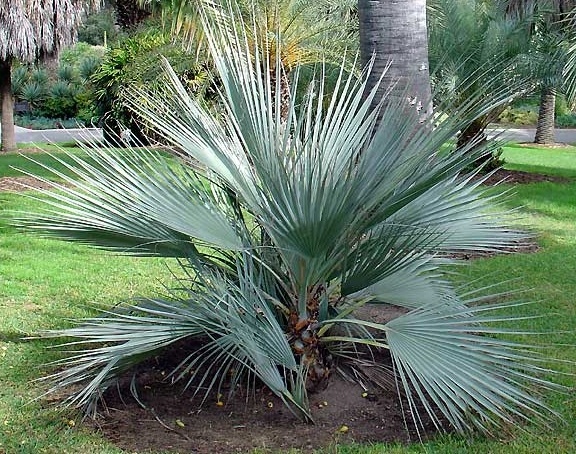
285, 223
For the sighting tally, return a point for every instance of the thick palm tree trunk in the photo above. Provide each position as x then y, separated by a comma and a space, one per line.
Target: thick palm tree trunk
395, 33
545, 126
8, 137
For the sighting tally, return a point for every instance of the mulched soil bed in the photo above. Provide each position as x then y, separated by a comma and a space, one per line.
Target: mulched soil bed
172, 420
20, 184
519, 177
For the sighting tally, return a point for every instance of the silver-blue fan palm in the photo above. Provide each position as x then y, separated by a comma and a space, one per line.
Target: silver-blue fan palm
286, 223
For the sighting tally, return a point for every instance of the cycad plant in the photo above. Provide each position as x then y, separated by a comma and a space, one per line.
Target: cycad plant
285, 226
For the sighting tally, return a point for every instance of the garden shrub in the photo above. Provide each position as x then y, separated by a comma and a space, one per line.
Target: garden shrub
566, 121
521, 116
133, 61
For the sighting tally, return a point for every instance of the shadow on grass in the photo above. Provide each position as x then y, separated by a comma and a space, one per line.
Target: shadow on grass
542, 170
553, 200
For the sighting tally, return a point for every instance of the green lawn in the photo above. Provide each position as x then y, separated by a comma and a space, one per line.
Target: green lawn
45, 283
548, 161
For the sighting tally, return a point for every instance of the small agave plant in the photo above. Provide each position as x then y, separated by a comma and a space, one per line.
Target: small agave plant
285, 223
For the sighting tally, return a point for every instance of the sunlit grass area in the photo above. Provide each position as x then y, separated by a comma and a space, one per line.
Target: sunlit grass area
45, 283
548, 161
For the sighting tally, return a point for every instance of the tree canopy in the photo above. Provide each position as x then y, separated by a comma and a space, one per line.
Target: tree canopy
31, 30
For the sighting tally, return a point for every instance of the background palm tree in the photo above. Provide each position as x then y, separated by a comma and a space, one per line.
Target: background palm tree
395, 34
552, 27
311, 31
30, 30
475, 48
555, 24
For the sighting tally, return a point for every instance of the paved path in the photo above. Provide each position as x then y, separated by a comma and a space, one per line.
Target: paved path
71, 135
57, 135
527, 135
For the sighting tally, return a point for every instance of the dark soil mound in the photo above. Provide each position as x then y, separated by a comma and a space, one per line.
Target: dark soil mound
344, 412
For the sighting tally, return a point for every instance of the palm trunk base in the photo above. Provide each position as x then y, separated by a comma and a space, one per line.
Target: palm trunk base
545, 127
7, 105
475, 133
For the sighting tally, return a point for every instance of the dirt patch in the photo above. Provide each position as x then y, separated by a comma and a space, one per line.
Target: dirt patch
20, 184
344, 412
519, 177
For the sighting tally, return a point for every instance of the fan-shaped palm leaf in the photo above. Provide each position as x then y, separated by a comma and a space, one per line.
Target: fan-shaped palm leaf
308, 217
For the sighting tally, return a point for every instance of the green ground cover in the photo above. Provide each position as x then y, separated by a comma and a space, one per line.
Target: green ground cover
45, 283
548, 161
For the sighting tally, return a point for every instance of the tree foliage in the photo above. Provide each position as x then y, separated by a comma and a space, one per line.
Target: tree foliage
476, 48
29, 31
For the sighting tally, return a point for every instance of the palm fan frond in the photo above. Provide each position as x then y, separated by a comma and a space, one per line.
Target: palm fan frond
289, 217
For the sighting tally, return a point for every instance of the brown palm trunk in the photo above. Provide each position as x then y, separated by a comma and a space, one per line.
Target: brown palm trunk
284, 85
545, 126
7, 106
474, 131
474, 136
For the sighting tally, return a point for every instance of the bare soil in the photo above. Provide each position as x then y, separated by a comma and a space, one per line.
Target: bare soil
170, 419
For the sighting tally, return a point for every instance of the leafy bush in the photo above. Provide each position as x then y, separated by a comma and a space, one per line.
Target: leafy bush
67, 73
561, 107
19, 78
134, 61
40, 76
87, 112
67, 94
61, 101
39, 122
98, 27
522, 116
88, 66
33, 92
285, 227
73, 56
566, 121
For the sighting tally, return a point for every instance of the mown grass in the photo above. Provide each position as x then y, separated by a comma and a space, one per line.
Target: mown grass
45, 283
13, 164
548, 161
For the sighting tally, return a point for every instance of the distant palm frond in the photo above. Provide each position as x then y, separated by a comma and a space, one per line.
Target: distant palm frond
29, 30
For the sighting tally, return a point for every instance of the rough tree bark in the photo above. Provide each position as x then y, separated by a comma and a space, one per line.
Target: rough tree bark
7, 106
545, 125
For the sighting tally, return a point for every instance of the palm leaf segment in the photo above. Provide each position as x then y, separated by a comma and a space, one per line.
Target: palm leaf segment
303, 218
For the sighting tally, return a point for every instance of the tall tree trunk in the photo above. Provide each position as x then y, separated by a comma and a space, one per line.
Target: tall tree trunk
7, 105
545, 126
395, 33
474, 131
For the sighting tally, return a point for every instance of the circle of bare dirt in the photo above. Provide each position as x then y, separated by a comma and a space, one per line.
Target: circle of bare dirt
343, 413
20, 184
169, 419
